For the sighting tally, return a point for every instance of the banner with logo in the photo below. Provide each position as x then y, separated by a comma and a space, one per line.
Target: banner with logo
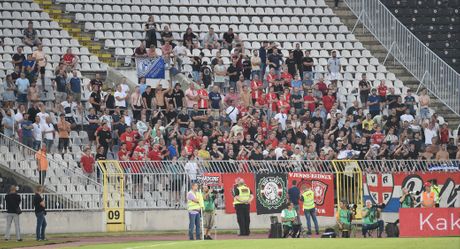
386, 188
429, 222
210, 179
150, 68
271, 192
323, 186
229, 181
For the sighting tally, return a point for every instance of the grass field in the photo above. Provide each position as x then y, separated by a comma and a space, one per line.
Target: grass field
409, 243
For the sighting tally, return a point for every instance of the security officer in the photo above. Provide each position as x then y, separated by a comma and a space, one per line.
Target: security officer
436, 190
241, 200
195, 205
308, 198
428, 196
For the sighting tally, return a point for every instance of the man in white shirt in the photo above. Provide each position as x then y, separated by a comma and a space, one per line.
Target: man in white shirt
37, 133
48, 133
191, 168
120, 97
179, 52
232, 112
69, 109
333, 67
281, 117
407, 116
43, 115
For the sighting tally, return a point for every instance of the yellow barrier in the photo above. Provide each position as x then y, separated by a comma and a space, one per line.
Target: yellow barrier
113, 195
349, 183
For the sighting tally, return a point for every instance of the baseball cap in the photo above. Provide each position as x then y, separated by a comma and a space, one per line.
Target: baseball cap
427, 184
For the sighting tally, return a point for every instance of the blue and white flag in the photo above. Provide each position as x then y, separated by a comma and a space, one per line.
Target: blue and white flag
150, 68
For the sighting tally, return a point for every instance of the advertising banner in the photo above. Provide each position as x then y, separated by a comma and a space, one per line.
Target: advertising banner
150, 68
271, 191
229, 184
429, 222
323, 186
386, 188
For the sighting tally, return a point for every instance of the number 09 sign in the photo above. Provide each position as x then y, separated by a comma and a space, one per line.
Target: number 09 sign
115, 219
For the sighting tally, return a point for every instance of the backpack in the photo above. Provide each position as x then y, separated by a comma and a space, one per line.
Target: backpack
392, 229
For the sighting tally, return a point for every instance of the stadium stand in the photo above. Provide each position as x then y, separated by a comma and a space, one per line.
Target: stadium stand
436, 23
324, 117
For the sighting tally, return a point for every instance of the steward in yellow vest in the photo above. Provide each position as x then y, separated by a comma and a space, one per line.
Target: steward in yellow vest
195, 204
308, 198
241, 200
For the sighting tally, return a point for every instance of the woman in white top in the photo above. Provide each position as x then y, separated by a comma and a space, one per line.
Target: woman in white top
220, 72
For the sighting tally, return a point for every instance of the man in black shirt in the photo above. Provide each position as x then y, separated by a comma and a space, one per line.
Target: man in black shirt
298, 56
178, 96
392, 99
96, 81
228, 38
364, 89
147, 98
256, 154
233, 74
13, 201
40, 213
95, 99
291, 64
247, 68
307, 66
104, 138
18, 58
206, 76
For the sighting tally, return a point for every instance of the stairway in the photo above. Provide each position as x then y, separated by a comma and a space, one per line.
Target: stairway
369, 42
66, 21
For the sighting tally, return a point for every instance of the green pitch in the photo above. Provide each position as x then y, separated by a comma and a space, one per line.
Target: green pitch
384, 243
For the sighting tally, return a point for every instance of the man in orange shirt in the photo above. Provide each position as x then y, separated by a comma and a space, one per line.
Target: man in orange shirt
42, 163
428, 197
64, 130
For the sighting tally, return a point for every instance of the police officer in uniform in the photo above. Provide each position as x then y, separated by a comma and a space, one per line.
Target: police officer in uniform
195, 205
241, 200
308, 198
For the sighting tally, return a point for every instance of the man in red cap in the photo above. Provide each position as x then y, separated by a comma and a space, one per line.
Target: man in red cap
428, 196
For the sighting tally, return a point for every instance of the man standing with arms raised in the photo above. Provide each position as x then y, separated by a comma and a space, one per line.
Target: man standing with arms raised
241, 201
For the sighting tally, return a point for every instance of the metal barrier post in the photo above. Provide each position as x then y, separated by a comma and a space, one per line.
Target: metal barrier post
113, 195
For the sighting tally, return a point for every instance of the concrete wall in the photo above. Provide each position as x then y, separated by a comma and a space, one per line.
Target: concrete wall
144, 220
60, 222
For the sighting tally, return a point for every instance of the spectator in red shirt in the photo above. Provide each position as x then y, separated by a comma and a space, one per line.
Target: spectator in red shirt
203, 97
271, 77
444, 134
310, 100
69, 60
272, 99
129, 138
382, 92
287, 78
123, 153
140, 148
87, 163
322, 86
378, 136
256, 88
328, 101
155, 153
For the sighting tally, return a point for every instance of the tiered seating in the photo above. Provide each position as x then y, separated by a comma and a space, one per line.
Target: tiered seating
14, 17
120, 24
436, 23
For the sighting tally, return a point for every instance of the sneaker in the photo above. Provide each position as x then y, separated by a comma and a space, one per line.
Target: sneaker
19, 240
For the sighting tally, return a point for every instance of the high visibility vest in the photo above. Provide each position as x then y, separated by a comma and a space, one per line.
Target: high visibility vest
428, 199
244, 195
308, 199
193, 205
436, 191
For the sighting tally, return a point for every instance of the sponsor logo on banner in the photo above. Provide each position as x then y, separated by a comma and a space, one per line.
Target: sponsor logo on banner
150, 68
377, 188
271, 193
210, 179
380, 187
429, 222
322, 185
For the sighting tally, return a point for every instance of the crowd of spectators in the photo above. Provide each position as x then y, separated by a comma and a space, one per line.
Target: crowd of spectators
260, 106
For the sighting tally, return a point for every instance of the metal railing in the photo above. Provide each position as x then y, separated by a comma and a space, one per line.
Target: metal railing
427, 67
59, 202
17, 152
193, 168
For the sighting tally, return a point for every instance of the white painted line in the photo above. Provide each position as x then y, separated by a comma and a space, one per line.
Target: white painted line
154, 245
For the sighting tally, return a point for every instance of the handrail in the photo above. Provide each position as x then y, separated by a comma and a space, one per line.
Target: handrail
28, 152
427, 67
59, 202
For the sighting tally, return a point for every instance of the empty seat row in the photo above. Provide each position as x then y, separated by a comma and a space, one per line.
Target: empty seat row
291, 3
19, 6
24, 15
155, 9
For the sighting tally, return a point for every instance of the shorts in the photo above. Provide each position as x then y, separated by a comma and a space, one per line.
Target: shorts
208, 219
334, 76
